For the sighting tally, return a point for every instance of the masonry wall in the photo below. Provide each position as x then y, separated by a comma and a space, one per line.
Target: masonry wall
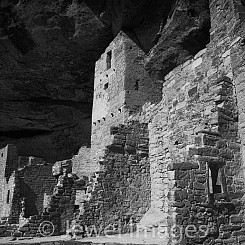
8, 165
109, 96
197, 130
35, 180
119, 90
119, 195
81, 163
236, 35
177, 161
193, 129
3, 160
139, 87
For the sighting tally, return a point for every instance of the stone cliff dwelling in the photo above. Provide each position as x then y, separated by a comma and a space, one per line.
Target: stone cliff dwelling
167, 152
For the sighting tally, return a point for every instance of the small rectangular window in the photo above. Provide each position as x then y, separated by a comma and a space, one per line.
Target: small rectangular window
108, 60
106, 86
215, 183
8, 197
136, 85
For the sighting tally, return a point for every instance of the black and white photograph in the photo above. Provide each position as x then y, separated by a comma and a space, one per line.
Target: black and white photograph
122, 122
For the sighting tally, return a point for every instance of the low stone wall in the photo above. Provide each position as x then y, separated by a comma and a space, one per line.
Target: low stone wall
35, 180
7, 230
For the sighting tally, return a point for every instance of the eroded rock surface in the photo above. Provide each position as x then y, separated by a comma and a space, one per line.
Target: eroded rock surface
48, 50
184, 32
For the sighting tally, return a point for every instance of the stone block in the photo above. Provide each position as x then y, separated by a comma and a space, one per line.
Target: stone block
180, 195
130, 149
230, 227
8, 233
236, 218
17, 234
183, 166
196, 63
238, 233
178, 204
59, 167
241, 239
230, 241
23, 229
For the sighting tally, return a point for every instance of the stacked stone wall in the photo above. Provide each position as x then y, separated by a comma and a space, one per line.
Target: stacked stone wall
35, 181
62, 207
82, 164
119, 91
195, 135
8, 161
139, 87
195, 130
59, 211
119, 194
3, 159
177, 162
237, 51
109, 96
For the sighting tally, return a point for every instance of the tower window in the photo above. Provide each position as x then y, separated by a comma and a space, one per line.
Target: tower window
1, 154
8, 197
106, 86
243, 2
136, 85
215, 183
108, 60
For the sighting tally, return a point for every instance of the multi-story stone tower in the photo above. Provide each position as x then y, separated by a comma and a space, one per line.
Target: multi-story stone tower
8, 161
121, 87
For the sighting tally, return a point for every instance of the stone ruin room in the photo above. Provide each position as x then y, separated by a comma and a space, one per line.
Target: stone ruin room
122, 122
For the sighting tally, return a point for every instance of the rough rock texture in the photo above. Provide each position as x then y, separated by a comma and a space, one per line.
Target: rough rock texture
139, 19
48, 50
184, 32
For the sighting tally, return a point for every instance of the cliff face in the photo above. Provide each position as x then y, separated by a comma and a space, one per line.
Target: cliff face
48, 50
184, 33
169, 31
